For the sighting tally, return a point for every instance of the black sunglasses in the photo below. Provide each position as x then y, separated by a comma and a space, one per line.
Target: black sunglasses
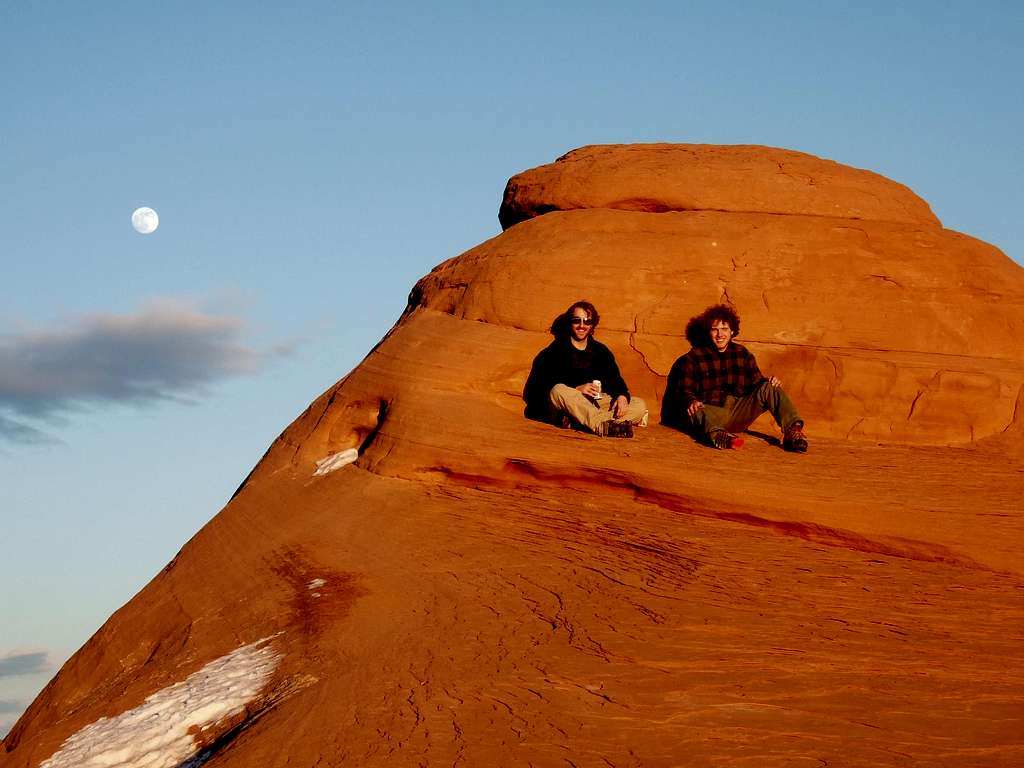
582, 321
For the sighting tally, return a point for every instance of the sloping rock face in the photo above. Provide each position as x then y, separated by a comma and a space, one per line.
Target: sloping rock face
478, 589
884, 325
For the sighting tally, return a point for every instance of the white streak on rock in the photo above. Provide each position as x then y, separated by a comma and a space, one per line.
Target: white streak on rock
156, 733
336, 461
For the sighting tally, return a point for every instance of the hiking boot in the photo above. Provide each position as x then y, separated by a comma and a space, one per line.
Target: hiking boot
613, 428
795, 440
562, 421
723, 440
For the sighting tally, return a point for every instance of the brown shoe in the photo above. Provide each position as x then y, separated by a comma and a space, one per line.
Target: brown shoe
795, 440
724, 441
613, 428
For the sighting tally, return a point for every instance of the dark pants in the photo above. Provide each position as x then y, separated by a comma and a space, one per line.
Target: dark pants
738, 413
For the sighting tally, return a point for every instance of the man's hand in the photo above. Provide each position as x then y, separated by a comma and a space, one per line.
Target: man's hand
774, 381
619, 406
695, 406
589, 389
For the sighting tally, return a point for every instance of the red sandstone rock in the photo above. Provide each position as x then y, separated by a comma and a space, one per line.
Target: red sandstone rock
499, 592
703, 177
881, 331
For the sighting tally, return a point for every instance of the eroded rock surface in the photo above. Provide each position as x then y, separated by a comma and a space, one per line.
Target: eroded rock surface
702, 177
478, 589
884, 325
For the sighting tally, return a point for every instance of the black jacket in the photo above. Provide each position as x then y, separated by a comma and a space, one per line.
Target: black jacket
561, 363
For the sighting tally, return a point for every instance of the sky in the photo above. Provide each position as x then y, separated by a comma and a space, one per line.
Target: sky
309, 162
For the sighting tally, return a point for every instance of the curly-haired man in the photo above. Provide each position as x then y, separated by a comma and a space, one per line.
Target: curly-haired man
563, 384
716, 389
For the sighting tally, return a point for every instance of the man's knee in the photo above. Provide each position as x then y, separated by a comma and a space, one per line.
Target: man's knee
709, 418
767, 395
560, 394
637, 411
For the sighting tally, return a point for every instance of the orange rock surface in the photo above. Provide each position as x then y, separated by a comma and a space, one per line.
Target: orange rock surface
500, 592
693, 177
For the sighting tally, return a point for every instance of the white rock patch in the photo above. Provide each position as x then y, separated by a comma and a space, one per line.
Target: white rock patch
316, 584
155, 733
336, 461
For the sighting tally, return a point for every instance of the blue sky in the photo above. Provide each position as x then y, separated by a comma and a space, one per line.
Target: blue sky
310, 163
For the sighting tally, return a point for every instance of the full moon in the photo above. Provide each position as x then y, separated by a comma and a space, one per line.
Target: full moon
145, 220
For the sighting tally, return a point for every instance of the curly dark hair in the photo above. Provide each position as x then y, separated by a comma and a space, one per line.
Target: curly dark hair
561, 326
698, 329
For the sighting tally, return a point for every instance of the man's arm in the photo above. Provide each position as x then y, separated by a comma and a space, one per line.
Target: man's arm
753, 373
539, 383
682, 392
689, 383
612, 382
611, 378
757, 377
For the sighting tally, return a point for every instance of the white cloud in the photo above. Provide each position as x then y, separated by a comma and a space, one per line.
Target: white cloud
16, 663
168, 350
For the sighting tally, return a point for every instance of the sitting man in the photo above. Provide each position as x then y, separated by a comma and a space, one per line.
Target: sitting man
716, 389
575, 380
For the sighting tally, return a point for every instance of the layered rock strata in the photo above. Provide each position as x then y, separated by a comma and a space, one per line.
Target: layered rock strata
478, 589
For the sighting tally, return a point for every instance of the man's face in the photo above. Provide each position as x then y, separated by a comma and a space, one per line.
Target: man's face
582, 323
721, 334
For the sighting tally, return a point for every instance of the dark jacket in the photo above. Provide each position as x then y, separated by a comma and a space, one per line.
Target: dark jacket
561, 363
708, 375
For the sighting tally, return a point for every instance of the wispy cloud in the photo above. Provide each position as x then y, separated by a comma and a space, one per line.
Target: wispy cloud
167, 351
25, 663
18, 432
17, 671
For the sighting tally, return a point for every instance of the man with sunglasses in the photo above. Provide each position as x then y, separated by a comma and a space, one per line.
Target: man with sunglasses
716, 389
576, 381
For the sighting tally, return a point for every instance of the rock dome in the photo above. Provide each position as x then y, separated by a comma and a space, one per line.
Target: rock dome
884, 325
422, 576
